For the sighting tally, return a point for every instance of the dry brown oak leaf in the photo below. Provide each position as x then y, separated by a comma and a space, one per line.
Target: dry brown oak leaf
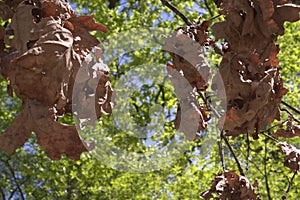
231, 186
48, 50
249, 68
292, 156
189, 74
291, 130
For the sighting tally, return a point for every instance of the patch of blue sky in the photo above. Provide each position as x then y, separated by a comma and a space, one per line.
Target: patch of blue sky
82, 11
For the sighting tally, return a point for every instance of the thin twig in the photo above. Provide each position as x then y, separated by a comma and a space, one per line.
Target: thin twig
234, 156
251, 161
215, 17
274, 126
270, 137
15, 178
248, 150
12, 193
291, 107
2, 193
221, 149
265, 172
217, 49
177, 12
291, 182
209, 106
208, 7
291, 114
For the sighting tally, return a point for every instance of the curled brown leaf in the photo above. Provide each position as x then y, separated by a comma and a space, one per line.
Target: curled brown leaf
42, 70
229, 185
292, 156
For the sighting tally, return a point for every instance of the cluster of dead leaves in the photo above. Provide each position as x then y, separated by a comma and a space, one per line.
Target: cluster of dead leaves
288, 129
50, 43
292, 156
229, 185
249, 68
189, 74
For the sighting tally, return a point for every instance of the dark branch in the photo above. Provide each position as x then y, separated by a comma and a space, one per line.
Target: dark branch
266, 173
209, 106
15, 179
270, 137
12, 193
248, 150
251, 161
217, 50
291, 182
291, 114
208, 7
221, 149
2, 193
234, 156
274, 126
177, 12
291, 107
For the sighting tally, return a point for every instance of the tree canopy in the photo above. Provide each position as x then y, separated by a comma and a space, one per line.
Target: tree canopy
247, 53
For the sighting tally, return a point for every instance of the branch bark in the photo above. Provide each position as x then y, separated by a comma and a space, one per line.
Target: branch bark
2, 193
177, 12
234, 156
291, 107
291, 182
221, 149
208, 8
265, 172
14, 178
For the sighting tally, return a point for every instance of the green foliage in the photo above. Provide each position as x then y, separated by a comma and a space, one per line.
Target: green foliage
40, 178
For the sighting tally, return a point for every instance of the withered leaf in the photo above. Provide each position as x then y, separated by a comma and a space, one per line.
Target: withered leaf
189, 74
191, 116
42, 73
60, 9
253, 86
17, 134
291, 130
5, 11
83, 40
292, 158
22, 23
229, 185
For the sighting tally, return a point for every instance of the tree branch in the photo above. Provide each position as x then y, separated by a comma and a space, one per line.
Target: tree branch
2, 193
177, 12
291, 107
209, 106
208, 8
221, 149
234, 156
291, 114
248, 150
265, 172
268, 130
252, 162
217, 50
270, 137
291, 182
15, 179
12, 193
